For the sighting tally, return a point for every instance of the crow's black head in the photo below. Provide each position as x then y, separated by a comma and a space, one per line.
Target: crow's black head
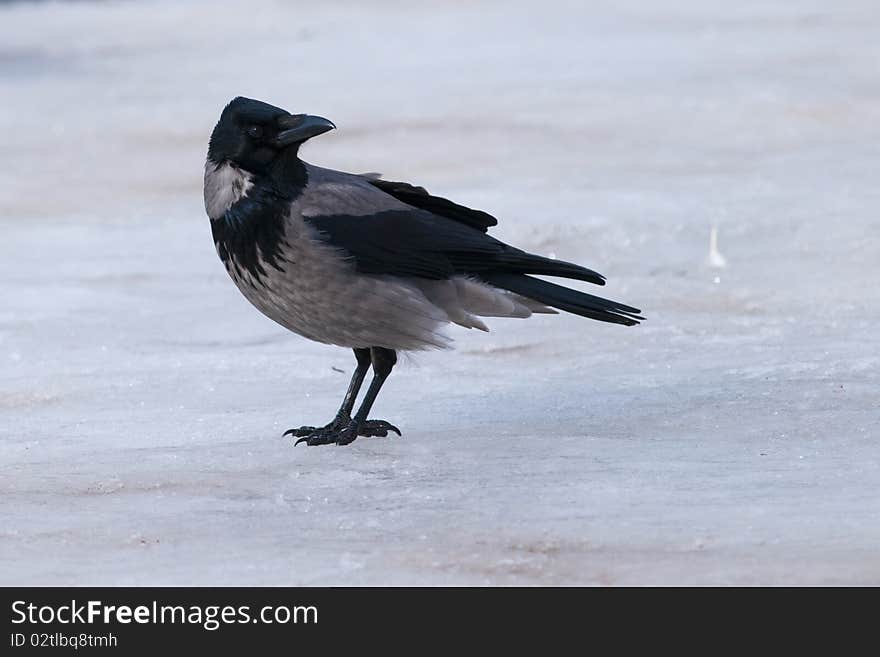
251, 134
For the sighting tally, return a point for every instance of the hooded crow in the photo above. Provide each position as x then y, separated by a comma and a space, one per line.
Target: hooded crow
364, 263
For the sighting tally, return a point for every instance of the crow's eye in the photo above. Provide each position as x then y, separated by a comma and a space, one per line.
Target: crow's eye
255, 131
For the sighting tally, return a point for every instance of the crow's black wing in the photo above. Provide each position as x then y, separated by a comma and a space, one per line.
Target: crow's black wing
418, 197
410, 241
421, 244
407, 243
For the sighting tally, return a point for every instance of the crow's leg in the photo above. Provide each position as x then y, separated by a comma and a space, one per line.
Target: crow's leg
383, 361
343, 416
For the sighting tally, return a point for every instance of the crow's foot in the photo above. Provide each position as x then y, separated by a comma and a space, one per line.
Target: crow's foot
377, 428
339, 433
338, 423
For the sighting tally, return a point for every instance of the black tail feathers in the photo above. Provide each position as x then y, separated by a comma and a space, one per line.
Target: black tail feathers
563, 298
516, 261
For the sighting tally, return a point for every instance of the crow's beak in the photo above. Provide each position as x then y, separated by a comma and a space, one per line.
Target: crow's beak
297, 128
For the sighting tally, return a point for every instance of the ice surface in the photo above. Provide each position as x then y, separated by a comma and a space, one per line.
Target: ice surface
732, 438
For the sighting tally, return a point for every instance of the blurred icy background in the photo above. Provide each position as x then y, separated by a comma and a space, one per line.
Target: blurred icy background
733, 438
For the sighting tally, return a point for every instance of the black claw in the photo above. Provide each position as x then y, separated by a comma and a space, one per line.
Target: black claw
323, 438
302, 431
306, 432
377, 428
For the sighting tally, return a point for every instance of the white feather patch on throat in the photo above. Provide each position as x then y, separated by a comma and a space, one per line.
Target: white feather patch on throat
224, 185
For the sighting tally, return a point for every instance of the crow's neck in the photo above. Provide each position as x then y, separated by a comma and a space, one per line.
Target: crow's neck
249, 236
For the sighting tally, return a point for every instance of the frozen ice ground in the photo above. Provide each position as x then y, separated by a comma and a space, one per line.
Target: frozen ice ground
733, 438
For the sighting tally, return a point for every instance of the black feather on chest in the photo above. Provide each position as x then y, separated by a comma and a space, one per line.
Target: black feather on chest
250, 234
